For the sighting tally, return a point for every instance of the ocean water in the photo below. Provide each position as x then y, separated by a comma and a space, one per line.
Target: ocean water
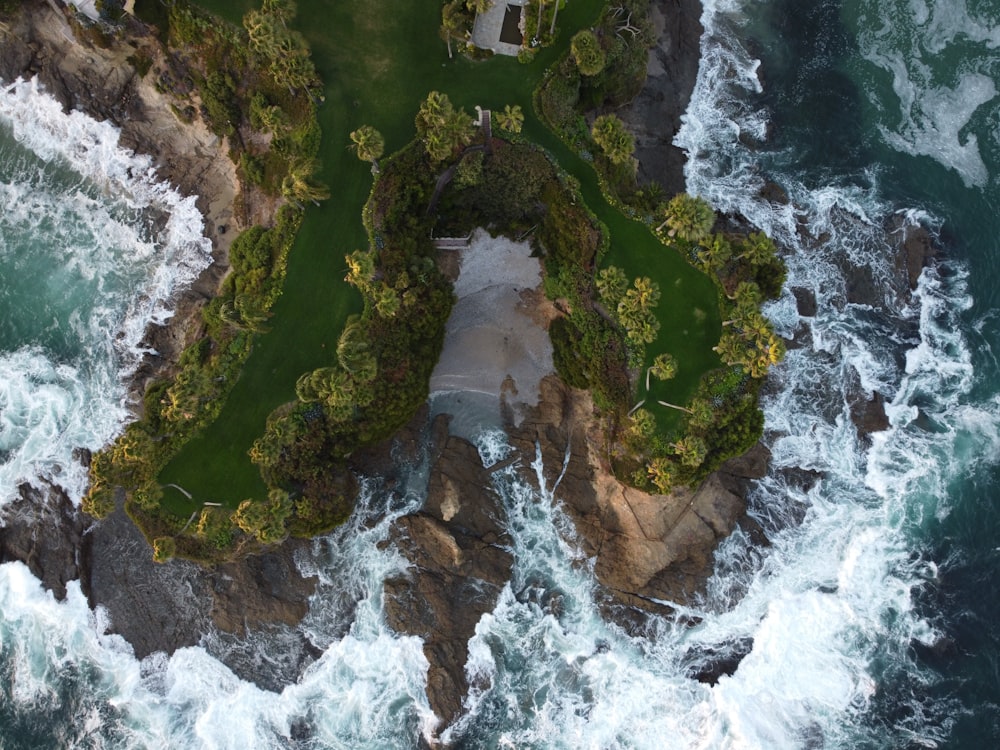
92, 247
871, 617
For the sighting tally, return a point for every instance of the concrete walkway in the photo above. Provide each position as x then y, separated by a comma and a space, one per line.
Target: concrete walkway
488, 25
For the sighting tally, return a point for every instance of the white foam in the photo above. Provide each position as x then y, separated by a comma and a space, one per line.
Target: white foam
933, 125
936, 103
103, 272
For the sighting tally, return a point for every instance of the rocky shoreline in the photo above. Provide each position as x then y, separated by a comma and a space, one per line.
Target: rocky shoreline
111, 559
457, 542
649, 549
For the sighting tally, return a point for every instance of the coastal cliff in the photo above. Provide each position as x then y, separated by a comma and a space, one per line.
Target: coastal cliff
156, 607
648, 548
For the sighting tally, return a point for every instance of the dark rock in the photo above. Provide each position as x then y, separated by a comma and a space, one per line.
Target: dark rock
708, 665
654, 116
868, 414
915, 248
43, 530
166, 606
154, 607
805, 302
773, 192
455, 545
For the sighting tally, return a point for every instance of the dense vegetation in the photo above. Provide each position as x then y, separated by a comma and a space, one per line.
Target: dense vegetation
376, 376
604, 68
261, 99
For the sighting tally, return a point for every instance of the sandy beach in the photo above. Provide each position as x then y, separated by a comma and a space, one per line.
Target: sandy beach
496, 341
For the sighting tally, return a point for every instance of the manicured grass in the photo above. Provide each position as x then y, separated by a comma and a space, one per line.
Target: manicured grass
379, 59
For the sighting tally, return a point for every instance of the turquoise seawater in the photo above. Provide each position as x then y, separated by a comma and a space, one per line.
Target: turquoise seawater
870, 619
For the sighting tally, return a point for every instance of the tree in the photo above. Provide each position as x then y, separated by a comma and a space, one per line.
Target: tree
511, 119
454, 23
691, 450
715, 252
689, 218
441, 127
368, 144
298, 185
661, 473
747, 297
617, 143
664, 367
360, 269
635, 311
265, 521
612, 283
758, 249
701, 414
587, 53
479, 6
354, 352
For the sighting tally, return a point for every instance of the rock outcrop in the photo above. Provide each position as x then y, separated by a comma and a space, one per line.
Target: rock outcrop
43, 530
654, 116
457, 545
163, 607
647, 547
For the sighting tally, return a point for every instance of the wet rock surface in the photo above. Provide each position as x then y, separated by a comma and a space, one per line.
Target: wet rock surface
654, 116
45, 535
457, 547
163, 607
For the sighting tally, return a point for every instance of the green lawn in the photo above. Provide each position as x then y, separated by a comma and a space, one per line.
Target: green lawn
378, 59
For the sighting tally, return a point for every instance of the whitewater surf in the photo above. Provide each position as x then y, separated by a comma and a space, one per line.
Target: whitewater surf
834, 618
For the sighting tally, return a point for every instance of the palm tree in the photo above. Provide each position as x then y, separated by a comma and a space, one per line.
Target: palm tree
612, 283
454, 23
511, 119
715, 252
747, 297
587, 52
661, 473
664, 367
262, 32
617, 143
692, 450
689, 217
368, 144
360, 268
758, 249
284, 10
479, 6
298, 185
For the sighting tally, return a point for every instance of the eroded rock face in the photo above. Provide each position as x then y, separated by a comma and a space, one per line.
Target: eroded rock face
163, 607
654, 116
647, 546
45, 535
456, 545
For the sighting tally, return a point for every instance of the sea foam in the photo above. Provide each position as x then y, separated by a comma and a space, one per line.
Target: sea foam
94, 248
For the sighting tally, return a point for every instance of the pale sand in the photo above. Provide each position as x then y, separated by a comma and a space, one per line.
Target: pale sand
496, 342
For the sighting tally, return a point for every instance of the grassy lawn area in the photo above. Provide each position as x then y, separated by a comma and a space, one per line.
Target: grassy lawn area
379, 59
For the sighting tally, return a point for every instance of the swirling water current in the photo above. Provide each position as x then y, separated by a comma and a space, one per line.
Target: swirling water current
872, 613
